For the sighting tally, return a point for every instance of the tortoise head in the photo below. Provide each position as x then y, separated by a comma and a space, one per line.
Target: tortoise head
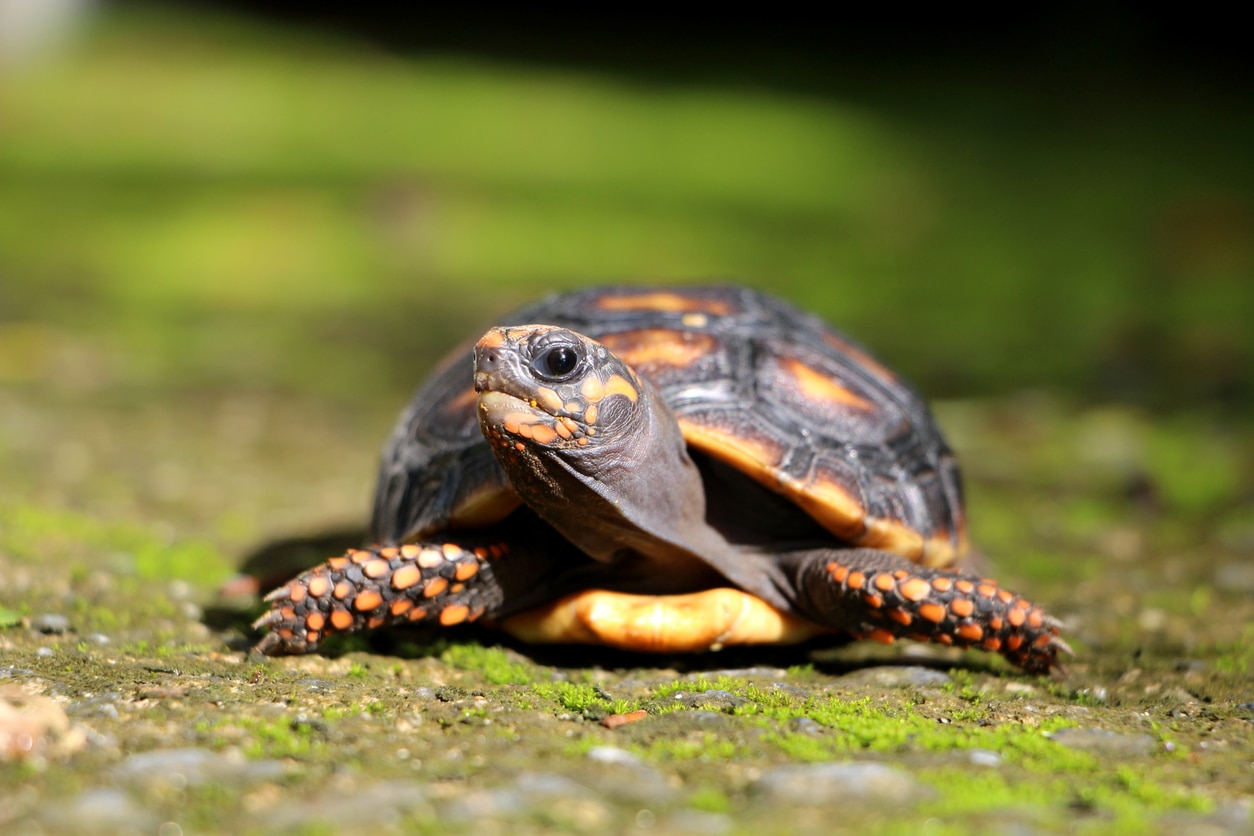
589, 445
549, 388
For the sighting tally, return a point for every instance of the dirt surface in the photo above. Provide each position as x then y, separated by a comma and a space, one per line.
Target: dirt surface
129, 702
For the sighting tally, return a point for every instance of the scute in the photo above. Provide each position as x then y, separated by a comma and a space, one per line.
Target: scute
773, 392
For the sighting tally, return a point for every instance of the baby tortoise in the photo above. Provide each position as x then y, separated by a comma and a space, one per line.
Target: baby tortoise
666, 470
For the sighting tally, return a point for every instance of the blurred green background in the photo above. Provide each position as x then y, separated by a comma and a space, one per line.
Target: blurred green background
213, 198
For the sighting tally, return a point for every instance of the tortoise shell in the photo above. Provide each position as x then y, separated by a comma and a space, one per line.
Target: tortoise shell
753, 382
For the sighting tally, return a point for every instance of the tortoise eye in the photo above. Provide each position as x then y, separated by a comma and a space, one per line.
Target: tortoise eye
558, 363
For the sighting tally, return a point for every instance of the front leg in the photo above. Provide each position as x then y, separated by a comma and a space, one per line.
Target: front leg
448, 581
883, 596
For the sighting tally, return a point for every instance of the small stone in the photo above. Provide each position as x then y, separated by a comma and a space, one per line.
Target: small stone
45, 652
371, 807
614, 755
806, 725
191, 767
50, 623
898, 676
984, 757
1103, 742
550, 785
97, 638
836, 783
714, 698
699, 822
100, 810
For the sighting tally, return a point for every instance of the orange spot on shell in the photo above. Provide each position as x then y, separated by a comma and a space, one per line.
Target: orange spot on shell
434, 587
1016, 617
1014, 642
942, 584
884, 582
901, 617
406, 576
965, 586
338, 563
342, 590
389, 552
288, 613
1005, 595
455, 614
319, 587
430, 558
367, 601
961, 607
466, 570
971, 632
376, 569
1034, 619
375, 622
590, 414
915, 589
417, 614
359, 556
409, 551
995, 623
652, 349
315, 620
1043, 640
856, 579
992, 643
400, 606
881, 636
664, 302
312, 636
872, 600
451, 551
341, 619
296, 592
986, 590
944, 638
932, 612
838, 571
822, 387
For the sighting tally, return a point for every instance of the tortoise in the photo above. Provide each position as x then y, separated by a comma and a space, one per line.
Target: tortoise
670, 470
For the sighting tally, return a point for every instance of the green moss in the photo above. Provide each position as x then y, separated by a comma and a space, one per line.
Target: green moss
40, 534
494, 663
583, 699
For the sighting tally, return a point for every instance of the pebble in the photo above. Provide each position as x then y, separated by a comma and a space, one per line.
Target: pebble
613, 754
836, 783
382, 805
99, 810
714, 698
97, 638
191, 767
805, 725
1103, 742
984, 757
699, 822
898, 676
50, 623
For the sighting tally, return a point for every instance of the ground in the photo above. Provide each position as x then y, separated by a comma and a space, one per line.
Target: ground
229, 251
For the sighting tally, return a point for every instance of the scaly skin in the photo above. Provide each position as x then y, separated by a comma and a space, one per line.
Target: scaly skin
882, 596
443, 583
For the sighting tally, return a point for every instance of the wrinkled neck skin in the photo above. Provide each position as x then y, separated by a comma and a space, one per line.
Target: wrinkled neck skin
633, 496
